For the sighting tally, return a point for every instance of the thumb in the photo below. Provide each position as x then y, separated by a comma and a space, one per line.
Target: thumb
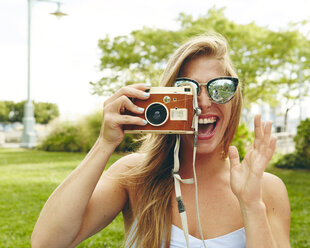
233, 156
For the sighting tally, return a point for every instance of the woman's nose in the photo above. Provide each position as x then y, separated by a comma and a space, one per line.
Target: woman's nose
204, 100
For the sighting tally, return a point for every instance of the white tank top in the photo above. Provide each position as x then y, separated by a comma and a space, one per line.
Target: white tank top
234, 239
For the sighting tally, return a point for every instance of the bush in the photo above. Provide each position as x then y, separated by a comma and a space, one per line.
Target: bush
81, 136
289, 161
243, 140
300, 159
302, 139
65, 137
90, 128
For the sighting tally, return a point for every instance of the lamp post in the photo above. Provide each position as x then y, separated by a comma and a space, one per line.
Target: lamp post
300, 90
29, 138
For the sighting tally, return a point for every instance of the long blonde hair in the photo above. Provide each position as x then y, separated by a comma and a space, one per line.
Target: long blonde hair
151, 179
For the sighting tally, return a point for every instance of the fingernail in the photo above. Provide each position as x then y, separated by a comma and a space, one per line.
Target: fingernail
141, 110
144, 122
146, 94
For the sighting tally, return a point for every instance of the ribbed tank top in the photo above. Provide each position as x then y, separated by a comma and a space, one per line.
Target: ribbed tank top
235, 239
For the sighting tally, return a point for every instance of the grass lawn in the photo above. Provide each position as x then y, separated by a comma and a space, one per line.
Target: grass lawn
27, 178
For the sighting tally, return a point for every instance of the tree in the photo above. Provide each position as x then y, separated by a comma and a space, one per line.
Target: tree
44, 112
260, 55
300, 158
294, 70
5, 110
14, 112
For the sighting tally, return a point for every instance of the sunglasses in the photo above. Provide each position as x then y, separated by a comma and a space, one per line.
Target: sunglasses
221, 90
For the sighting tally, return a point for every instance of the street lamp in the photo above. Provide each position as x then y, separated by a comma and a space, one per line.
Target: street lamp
29, 138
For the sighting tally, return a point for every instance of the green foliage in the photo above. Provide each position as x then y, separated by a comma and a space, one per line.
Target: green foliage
65, 137
81, 136
14, 112
5, 110
267, 61
243, 140
17, 112
302, 139
89, 128
44, 112
300, 159
290, 161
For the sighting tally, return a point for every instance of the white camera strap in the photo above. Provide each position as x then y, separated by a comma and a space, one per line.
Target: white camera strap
178, 179
177, 186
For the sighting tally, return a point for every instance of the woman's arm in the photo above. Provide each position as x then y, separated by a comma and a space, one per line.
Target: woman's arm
71, 213
263, 198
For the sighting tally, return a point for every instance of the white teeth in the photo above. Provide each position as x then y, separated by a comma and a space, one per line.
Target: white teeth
207, 120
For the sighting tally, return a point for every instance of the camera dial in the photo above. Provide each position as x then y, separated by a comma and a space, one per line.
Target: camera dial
156, 114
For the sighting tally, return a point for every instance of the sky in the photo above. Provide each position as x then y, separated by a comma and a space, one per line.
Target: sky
65, 56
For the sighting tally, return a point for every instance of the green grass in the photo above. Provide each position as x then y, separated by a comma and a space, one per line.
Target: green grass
28, 177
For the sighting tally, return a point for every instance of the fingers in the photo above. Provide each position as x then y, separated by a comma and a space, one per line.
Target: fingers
115, 106
262, 133
267, 134
264, 144
121, 103
233, 156
131, 120
272, 148
258, 131
134, 91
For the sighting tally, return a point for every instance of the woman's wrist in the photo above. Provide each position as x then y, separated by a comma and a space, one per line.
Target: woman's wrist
255, 208
105, 145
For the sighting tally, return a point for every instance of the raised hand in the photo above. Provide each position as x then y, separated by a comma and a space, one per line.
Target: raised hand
246, 177
113, 112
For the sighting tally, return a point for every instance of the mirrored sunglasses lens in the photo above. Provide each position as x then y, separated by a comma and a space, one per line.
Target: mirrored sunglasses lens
221, 90
184, 82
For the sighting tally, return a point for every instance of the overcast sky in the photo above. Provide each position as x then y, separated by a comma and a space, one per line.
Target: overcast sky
65, 57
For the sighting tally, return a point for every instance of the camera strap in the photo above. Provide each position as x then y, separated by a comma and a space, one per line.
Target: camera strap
177, 186
178, 179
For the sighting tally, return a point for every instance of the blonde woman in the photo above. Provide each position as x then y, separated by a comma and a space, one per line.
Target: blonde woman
239, 204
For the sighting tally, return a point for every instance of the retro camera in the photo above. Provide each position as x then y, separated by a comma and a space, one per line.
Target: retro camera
168, 110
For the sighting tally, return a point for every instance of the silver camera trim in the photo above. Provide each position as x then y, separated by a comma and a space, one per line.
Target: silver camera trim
156, 125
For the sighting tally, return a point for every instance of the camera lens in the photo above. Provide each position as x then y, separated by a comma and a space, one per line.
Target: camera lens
156, 114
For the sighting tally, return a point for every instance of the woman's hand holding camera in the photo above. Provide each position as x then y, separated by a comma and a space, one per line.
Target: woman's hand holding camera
246, 177
114, 109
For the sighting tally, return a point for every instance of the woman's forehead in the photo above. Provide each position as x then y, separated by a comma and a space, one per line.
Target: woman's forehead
202, 69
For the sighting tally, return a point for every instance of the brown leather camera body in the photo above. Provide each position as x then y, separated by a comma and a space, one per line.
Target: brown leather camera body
168, 110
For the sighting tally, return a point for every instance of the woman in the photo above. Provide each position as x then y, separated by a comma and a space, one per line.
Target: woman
239, 204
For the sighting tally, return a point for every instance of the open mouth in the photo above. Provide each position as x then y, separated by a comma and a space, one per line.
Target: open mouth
207, 126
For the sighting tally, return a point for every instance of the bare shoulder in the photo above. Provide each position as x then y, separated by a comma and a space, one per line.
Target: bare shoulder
272, 185
275, 195
126, 162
